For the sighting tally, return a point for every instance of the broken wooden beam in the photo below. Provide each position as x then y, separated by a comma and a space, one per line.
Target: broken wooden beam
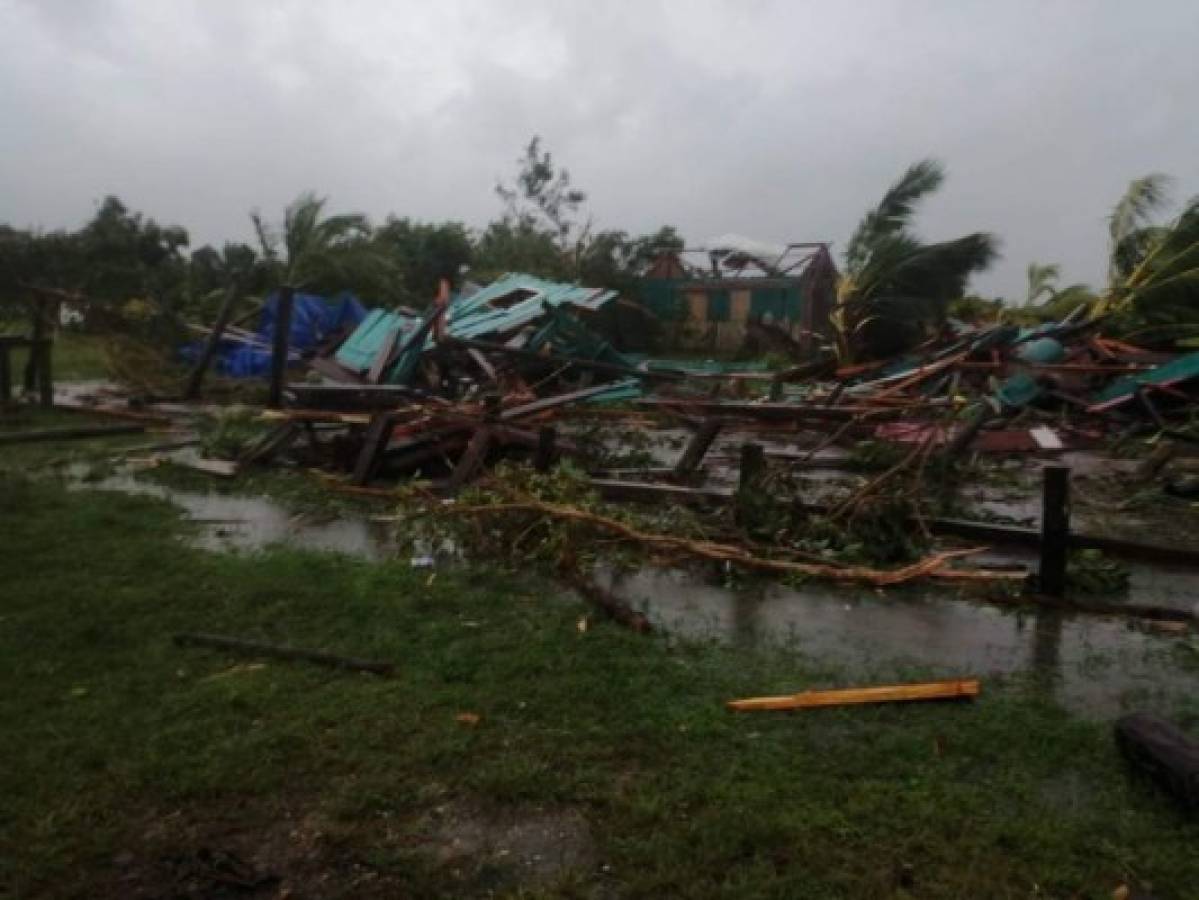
196, 378
256, 648
472, 459
959, 689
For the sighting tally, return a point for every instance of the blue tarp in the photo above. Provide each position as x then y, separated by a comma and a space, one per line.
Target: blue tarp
313, 319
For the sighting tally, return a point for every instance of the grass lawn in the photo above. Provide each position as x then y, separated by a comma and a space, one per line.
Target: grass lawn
77, 357
601, 763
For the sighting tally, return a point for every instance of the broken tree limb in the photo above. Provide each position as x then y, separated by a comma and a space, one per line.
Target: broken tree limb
255, 648
610, 605
960, 689
738, 556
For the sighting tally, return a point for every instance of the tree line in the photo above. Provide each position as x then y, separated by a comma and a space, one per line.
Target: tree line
122, 255
894, 288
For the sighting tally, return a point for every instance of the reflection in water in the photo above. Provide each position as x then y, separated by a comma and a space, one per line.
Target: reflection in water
1089, 663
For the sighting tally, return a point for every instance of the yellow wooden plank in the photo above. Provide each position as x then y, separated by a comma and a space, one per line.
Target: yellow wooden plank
933, 690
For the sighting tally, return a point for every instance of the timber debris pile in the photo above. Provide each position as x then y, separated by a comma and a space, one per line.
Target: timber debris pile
504, 419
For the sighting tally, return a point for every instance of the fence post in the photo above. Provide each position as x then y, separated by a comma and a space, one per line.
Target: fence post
1055, 529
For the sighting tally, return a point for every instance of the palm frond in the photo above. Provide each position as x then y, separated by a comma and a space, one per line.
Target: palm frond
1130, 218
894, 211
1040, 280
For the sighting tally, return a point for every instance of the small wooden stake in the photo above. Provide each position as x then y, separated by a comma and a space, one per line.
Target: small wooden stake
1055, 529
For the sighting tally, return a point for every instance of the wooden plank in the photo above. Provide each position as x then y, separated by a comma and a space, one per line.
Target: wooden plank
958, 689
556, 361
546, 403
782, 411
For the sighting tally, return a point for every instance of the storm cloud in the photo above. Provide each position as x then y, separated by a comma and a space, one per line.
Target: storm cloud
779, 120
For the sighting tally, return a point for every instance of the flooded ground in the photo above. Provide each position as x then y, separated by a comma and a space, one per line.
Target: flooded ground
1092, 664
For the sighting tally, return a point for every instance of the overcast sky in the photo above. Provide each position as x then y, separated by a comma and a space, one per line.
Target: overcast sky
777, 120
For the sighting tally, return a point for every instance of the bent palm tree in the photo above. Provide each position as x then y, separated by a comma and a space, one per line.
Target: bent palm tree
1154, 268
895, 286
1041, 280
327, 253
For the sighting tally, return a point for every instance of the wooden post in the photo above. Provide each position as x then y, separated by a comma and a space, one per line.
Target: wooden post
282, 337
232, 295
753, 466
44, 352
693, 454
543, 459
5, 376
1055, 529
33, 363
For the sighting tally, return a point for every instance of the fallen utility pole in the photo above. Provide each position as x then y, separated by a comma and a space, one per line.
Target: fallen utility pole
961, 689
255, 648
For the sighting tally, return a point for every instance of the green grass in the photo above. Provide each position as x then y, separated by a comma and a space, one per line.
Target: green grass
123, 755
77, 357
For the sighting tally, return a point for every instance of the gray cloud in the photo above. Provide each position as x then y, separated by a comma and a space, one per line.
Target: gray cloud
781, 120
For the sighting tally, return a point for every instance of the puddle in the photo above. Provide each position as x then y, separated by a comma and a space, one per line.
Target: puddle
1095, 665
232, 523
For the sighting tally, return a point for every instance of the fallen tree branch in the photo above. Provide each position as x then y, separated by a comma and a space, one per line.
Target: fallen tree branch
735, 555
255, 648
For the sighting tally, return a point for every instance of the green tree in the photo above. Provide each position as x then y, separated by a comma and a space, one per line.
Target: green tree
423, 253
323, 254
124, 255
895, 286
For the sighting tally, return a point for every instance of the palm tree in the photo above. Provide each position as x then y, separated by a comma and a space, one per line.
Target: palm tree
1129, 227
321, 253
895, 286
1041, 279
1154, 269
